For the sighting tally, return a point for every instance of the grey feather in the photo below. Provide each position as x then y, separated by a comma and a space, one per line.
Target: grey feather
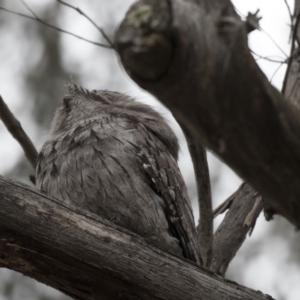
118, 158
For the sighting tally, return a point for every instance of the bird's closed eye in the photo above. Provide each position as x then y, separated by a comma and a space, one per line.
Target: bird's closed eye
67, 102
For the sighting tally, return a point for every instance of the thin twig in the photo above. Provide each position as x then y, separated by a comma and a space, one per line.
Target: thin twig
252, 21
88, 18
277, 69
224, 205
205, 227
267, 33
28, 8
37, 19
16, 130
290, 12
268, 58
274, 42
291, 54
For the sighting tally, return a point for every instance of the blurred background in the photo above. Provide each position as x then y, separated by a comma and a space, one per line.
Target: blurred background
36, 63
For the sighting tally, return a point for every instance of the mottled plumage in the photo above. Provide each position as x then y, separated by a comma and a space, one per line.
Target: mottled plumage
118, 159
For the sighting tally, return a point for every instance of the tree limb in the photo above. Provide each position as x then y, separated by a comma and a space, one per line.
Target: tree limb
202, 70
16, 130
205, 227
240, 219
86, 257
226, 242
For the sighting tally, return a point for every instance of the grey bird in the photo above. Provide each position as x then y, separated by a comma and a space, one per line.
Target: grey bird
117, 158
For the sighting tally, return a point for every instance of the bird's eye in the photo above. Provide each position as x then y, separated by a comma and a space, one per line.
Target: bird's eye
67, 102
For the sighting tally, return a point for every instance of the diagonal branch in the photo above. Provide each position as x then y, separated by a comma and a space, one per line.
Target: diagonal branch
205, 74
89, 258
16, 130
225, 205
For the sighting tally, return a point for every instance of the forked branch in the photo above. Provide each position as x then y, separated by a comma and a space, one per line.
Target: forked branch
90, 20
37, 19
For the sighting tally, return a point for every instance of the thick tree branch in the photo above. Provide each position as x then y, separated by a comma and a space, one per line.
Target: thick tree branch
226, 242
196, 61
16, 130
88, 258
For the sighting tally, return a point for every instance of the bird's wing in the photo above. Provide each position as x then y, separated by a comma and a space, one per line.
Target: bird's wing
168, 183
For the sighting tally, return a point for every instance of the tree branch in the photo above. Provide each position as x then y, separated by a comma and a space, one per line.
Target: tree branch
91, 21
16, 130
291, 86
245, 207
37, 19
205, 74
294, 37
247, 203
205, 227
89, 258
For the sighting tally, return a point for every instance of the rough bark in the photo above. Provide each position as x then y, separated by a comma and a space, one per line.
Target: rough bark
88, 258
194, 57
246, 201
233, 230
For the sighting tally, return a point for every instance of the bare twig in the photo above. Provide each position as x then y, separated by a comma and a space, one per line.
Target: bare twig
224, 206
16, 130
28, 8
274, 42
277, 69
291, 54
252, 21
37, 19
290, 12
205, 227
88, 18
268, 58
